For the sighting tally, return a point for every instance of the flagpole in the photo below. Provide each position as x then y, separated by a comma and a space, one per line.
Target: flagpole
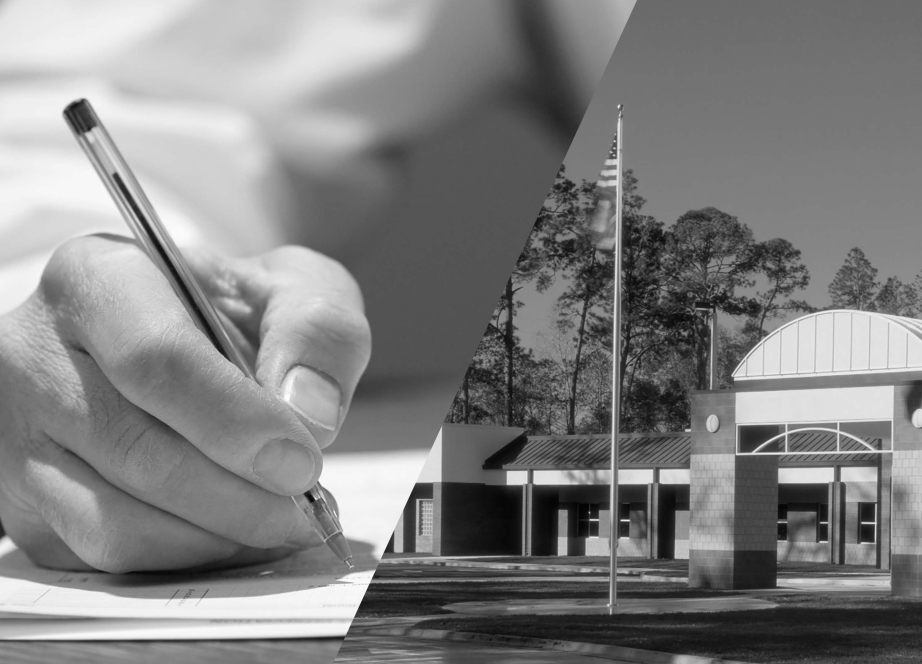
615, 508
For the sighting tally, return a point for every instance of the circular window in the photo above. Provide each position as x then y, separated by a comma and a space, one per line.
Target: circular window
917, 418
713, 423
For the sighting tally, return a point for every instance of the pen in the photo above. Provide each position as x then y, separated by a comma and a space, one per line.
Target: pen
159, 246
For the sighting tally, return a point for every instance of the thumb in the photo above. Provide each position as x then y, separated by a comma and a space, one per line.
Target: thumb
313, 353
304, 315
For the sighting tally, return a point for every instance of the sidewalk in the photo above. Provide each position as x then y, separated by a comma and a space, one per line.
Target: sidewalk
463, 561
600, 606
841, 579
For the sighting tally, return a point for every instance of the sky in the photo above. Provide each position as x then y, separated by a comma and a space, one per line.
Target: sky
802, 119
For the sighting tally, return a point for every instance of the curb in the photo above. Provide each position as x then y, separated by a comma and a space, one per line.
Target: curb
867, 582
619, 653
645, 573
647, 576
504, 566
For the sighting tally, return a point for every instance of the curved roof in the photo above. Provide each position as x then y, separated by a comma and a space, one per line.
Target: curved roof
834, 343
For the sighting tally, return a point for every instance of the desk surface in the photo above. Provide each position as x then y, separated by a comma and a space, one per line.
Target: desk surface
301, 651
377, 469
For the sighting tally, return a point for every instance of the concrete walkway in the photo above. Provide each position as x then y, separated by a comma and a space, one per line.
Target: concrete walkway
839, 580
600, 606
463, 561
500, 564
647, 573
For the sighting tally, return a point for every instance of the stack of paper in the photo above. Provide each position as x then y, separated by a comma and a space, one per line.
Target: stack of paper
310, 594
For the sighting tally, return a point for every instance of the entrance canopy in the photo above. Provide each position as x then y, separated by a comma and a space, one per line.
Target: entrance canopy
835, 343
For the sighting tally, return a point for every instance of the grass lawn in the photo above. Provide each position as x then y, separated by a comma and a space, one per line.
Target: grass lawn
424, 599
804, 629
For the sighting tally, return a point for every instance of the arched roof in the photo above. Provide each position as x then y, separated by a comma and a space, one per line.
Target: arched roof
836, 342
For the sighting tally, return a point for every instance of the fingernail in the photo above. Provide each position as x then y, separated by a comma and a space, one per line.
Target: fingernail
286, 465
315, 395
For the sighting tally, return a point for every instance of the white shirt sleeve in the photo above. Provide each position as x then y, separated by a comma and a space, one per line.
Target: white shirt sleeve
257, 123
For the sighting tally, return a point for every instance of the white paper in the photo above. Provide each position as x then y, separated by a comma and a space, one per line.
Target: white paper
167, 630
292, 589
307, 595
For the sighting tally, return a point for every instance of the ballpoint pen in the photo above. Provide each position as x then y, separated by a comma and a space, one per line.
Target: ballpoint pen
159, 246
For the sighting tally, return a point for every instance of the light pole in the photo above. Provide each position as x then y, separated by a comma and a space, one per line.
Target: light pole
708, 308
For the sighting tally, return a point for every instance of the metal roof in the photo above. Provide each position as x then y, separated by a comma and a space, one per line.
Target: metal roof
638, 450
663, 450
833, 343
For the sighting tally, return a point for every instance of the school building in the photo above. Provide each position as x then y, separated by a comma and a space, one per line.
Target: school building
814, 455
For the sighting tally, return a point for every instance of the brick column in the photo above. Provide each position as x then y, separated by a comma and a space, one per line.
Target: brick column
837, 519
884, 480
528, 500
906, 483
734, 504
653, 516
566, 529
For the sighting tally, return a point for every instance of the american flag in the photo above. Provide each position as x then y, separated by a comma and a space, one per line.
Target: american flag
602, 223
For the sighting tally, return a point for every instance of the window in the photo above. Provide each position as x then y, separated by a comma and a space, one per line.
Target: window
822, 523
624, 521
867, 522
782, 523
752, 436
587, 520
424, 517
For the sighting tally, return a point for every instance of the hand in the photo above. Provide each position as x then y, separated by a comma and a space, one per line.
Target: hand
129, 443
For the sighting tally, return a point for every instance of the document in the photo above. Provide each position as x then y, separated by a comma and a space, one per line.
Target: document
310, 594
303, 595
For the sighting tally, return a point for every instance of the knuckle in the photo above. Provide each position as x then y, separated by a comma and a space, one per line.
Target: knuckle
79, 278
72, 257
301, 263
345, 283
143, 456
343, 325
149, 354
65, 263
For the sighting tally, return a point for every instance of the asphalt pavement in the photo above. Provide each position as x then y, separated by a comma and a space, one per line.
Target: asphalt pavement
397, 639
370, 649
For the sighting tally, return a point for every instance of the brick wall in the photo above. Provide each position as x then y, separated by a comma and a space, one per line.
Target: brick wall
733, 500
906, 478
804, 552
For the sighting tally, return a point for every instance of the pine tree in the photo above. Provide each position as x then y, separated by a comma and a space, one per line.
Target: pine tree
855, 285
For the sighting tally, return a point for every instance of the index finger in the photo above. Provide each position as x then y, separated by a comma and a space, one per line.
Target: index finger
122, 311
304, 315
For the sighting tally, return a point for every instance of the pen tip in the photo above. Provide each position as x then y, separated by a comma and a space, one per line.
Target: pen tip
348, 562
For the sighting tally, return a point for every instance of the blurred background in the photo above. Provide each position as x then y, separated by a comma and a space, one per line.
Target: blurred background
414, 141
